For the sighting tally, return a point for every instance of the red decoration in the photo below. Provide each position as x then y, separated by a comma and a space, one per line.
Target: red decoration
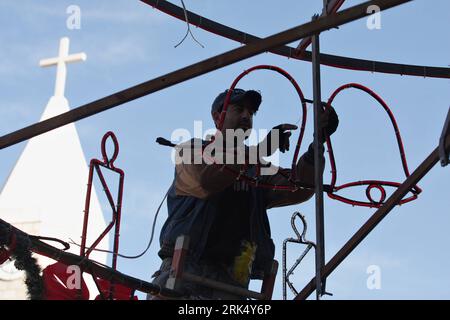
116, 207
332, 188
114, 291
378, 184
57, 284
6, 253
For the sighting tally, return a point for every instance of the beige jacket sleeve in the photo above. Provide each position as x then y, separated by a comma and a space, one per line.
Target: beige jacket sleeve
196, 178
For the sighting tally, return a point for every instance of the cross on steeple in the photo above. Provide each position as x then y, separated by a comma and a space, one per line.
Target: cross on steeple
60, 63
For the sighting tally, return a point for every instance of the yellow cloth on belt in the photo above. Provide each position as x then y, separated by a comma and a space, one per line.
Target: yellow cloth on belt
242, 267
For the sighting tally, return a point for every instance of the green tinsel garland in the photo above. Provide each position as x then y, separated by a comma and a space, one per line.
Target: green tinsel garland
25, 261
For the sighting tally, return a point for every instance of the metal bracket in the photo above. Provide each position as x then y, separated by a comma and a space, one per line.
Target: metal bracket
443, 153
179, 257
301, 240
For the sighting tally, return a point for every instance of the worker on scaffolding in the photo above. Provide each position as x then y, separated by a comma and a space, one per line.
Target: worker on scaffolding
224, 218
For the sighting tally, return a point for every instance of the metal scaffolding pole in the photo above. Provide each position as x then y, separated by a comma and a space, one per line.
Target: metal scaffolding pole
318, 168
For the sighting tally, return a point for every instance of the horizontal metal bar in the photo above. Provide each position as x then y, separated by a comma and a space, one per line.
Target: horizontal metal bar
374, 220
195, 70
290, 52
223, 286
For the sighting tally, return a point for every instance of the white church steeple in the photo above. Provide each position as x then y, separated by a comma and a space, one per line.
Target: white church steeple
45, 192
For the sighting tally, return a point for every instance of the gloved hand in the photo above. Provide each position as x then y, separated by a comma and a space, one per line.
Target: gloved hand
329, 122
277, 138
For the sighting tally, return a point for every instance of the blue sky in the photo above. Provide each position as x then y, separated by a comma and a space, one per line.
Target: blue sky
128, 42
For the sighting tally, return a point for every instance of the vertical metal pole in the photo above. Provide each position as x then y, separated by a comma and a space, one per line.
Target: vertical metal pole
325, 7
318, 168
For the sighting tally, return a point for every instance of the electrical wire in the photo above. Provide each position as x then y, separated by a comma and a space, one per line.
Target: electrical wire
149, 243
188, 31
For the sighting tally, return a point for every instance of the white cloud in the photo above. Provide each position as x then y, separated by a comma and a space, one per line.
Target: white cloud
16, 110
112, 12
126, 16
142, 201
16, 58
112, 52
359, 262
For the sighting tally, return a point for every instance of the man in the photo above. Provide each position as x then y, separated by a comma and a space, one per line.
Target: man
226, 221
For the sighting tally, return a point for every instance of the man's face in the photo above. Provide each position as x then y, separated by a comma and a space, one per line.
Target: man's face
238, 116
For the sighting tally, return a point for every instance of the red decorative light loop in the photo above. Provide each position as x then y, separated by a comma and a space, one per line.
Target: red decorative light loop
371, 183
380, 188
116, 204
251, 180
110, 161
